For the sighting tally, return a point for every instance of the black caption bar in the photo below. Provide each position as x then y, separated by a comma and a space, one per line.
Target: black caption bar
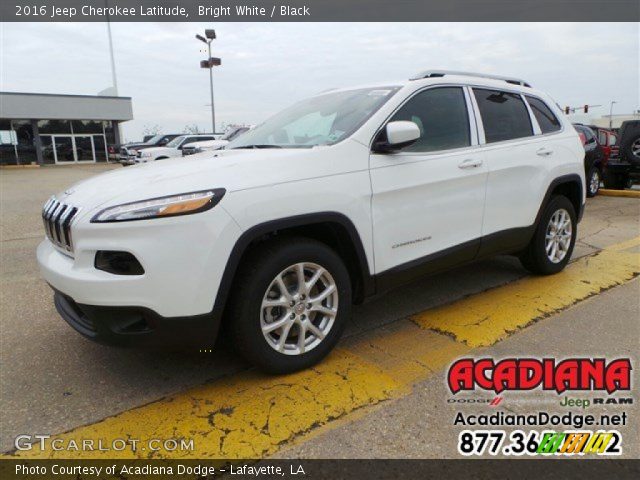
319, 10
316, 469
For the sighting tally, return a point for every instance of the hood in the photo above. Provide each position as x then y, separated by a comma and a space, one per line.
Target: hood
153, 150
210, 144
232, 170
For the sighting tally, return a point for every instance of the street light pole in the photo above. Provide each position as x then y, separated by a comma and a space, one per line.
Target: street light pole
213, 111
209, 63
611, 114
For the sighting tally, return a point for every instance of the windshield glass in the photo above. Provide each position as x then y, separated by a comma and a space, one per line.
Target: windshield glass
154, 139
322, 120
231, 134
175, 142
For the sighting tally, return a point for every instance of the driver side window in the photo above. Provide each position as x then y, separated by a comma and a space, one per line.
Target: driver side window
441, 114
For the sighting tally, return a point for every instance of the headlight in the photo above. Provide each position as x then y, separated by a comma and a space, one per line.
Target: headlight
170, 206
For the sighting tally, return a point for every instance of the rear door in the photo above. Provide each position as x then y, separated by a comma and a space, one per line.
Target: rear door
429, 197
518, 154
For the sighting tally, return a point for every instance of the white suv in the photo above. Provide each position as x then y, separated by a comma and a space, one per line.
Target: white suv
335, 199
171, 149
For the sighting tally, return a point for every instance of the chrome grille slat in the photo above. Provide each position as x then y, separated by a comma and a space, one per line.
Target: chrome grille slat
57, 218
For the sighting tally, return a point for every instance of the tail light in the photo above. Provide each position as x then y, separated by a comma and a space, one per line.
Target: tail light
583, 138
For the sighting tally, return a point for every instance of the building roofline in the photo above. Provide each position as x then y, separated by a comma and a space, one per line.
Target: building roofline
65, 95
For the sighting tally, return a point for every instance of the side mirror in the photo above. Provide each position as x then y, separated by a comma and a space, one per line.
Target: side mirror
162, 143
398, 135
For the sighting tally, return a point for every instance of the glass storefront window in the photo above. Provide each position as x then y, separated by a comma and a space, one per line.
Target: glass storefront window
16, 142
54, 126
86, 126
109, 133
48, 155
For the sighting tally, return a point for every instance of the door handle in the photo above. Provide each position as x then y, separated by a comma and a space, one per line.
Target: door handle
544, 152
470, 163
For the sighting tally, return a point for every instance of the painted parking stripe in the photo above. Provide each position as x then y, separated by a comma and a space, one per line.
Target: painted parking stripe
485, 318
245, 416
250, 415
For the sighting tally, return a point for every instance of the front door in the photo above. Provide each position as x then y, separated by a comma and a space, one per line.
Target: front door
84, 148
428, 198
73, 148
63, 149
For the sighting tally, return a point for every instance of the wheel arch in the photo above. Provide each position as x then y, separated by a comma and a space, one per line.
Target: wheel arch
332, 228
569, 186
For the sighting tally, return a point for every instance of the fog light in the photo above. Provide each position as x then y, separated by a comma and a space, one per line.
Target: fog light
118, 263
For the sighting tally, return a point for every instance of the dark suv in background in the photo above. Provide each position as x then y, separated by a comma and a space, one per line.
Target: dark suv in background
594, 158
623, 169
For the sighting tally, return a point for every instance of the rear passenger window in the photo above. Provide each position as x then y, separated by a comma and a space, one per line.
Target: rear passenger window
504, 115
546, 119
441, 115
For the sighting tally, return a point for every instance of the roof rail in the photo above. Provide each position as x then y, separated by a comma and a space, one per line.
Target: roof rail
442, 73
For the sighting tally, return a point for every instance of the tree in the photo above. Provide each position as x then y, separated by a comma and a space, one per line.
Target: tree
152, 130
192, 129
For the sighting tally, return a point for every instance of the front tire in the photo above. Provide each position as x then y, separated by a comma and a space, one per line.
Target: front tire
552, 244
290, 304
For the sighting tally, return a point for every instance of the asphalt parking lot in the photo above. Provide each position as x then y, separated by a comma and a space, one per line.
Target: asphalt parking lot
383, 382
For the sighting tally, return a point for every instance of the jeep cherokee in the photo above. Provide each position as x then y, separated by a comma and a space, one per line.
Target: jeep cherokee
337, 198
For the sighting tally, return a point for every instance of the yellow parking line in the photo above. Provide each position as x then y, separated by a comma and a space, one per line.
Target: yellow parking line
485, 318
245, 416
619, 193
250, 415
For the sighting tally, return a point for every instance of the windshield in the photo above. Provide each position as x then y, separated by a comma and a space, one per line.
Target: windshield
153, 140
231, 134
322, 120
175, 142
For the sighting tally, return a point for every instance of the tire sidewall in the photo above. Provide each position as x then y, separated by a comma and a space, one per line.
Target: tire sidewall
547, 266
592, 172
246, 328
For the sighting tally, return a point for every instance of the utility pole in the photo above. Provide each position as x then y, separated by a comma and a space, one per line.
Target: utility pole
113, 61
211, 62
611, 114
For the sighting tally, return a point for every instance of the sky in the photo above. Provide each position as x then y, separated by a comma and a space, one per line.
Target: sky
268, 66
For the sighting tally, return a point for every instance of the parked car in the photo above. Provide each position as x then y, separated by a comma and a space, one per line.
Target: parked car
594, 158
608, 140
623, 169
202, 146
129, 151
339, 197
171, 149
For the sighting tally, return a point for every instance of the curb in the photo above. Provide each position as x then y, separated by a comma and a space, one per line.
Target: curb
17, 167
619, 193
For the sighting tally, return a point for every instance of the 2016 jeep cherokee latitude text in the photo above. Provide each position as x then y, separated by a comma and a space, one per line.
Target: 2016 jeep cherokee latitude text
335, 199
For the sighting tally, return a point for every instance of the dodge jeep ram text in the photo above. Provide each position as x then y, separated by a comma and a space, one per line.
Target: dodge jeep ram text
333, 200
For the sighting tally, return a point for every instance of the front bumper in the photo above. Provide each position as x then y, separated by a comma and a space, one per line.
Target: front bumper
137, 326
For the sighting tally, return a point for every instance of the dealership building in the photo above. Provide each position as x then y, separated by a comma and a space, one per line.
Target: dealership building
59, 129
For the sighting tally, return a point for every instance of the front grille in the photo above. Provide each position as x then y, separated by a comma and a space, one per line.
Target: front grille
57, 218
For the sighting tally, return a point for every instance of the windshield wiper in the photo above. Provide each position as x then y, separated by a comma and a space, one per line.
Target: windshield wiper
258, 146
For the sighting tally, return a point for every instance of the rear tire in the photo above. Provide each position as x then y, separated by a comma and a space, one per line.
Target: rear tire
550, 248
593, 182
268, 291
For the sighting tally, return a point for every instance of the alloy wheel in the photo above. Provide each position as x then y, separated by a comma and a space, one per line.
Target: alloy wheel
299, 308
558, 236
635, 148
594, 182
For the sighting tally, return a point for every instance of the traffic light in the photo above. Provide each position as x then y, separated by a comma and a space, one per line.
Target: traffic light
566, 110
586, 109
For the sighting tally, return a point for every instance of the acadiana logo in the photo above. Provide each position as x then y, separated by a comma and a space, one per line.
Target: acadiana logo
547, 373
